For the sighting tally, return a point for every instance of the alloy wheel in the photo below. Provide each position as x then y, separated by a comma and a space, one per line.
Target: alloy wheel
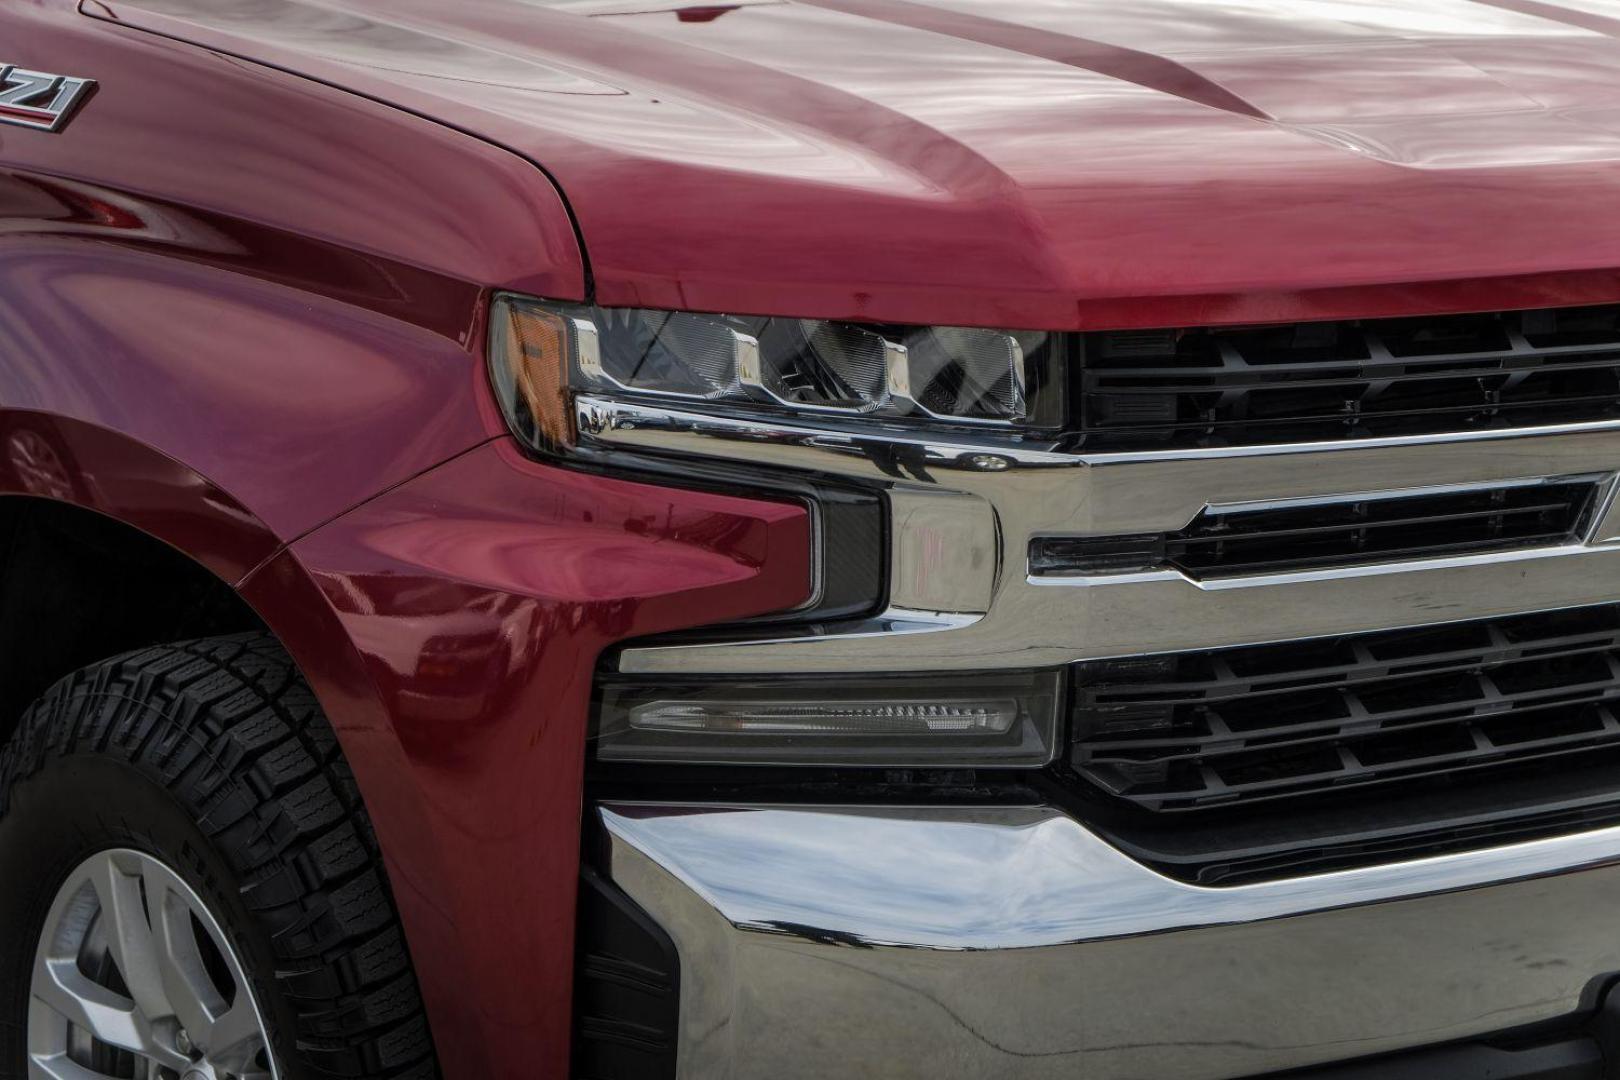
133, 979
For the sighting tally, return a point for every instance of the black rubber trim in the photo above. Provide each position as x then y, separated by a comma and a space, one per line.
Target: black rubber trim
627, 988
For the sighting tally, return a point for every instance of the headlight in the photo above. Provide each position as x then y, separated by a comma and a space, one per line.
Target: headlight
543, 353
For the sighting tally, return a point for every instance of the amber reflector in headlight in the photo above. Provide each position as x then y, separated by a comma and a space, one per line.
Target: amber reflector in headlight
993, 719
529, 351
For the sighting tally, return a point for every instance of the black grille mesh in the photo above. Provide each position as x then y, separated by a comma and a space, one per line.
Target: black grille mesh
1190, 731
1354, 379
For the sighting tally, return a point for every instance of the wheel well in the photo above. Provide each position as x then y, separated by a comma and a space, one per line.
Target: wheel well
77, 587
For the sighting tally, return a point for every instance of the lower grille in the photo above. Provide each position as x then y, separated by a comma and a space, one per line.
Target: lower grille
1311, 719
1224, 542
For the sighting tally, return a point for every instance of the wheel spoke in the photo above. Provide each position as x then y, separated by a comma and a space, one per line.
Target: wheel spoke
191, 995
63, 988
129, 936
58, 1067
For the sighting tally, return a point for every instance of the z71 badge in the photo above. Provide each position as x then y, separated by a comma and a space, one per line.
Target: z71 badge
36, 99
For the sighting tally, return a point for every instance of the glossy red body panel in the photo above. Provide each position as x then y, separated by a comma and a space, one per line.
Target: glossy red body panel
100, 469
452, 627
1020, 162
197, 254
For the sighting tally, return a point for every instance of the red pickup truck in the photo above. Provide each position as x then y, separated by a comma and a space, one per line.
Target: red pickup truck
785, 539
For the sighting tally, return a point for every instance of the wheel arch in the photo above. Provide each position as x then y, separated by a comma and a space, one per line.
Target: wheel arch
96, 527
108, 545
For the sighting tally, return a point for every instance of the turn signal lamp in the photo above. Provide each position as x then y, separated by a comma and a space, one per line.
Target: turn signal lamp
529, 363
937, 720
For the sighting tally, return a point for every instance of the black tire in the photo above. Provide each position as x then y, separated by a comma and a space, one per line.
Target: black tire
214, 757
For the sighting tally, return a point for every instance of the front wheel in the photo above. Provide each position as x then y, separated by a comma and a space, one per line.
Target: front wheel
191, 888
133, 976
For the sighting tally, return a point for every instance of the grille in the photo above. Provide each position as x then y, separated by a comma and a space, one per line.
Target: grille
1226, 542
1190, 731
1347, 380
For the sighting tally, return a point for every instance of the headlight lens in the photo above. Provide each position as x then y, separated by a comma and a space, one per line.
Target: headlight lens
542, 353
656, 352
979, 374
824, 366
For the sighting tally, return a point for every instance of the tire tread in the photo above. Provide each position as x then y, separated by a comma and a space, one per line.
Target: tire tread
230, 727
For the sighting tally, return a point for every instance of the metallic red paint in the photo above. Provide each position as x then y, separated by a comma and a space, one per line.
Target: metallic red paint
1019, 162
240, 309
209, 242
66, 460
451, 628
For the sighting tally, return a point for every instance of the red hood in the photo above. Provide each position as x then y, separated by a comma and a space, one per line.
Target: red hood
1038, 163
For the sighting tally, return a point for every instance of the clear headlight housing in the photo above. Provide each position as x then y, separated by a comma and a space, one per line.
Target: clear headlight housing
545, 353
874, 381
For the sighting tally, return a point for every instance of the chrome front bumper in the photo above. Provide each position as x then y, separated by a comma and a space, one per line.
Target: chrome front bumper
1014, 943
1011, 943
